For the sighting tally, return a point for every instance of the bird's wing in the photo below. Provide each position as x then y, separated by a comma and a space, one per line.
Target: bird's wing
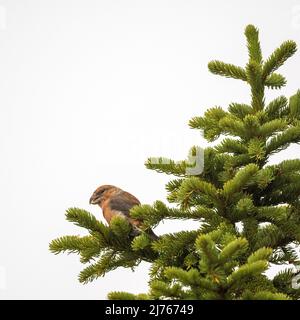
123, 202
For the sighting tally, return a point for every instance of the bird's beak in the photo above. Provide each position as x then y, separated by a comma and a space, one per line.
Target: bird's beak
95, 199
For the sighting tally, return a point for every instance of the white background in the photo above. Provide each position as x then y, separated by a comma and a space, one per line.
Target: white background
90, 89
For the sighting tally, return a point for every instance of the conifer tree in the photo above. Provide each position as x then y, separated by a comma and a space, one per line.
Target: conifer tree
246, 210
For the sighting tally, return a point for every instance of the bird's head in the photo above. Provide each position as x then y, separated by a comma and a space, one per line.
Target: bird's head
101, 193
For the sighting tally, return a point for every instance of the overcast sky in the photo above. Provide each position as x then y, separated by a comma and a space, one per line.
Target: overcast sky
90, 89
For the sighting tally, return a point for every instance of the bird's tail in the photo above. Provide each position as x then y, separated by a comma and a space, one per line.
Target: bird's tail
136, 231
152, 235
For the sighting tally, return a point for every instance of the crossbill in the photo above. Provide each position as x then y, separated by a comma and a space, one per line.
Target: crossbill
116, 202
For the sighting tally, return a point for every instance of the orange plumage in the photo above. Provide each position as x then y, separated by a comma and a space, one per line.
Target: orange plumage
115, 201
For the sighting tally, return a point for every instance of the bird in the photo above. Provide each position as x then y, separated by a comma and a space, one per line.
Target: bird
116, 202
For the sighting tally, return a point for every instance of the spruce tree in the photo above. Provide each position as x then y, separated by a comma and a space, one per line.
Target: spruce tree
246, 210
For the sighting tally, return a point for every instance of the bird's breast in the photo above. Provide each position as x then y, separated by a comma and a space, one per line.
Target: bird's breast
106, 211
